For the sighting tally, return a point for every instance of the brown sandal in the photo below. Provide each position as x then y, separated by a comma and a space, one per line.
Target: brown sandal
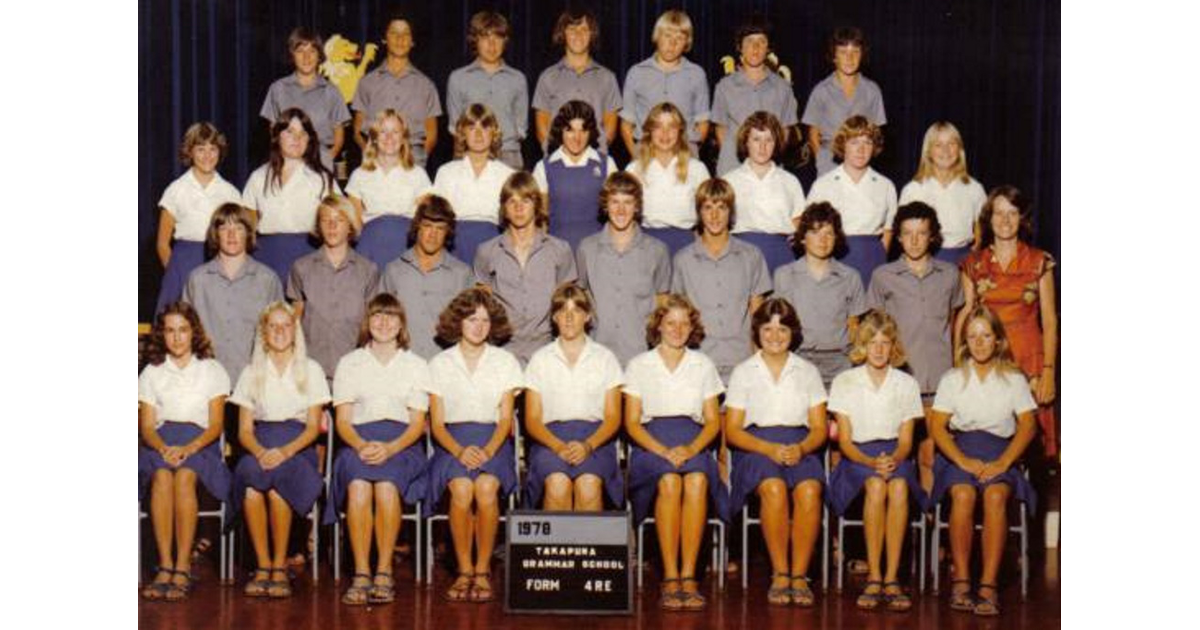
460, 590
691, 600
258, 586
481, 588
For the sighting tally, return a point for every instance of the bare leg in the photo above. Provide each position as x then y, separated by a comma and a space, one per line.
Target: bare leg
462, 526
557, 492
667, 508
897, 525
387, 523
695, 511
255, 508
773, 510
358, 524
806, 523
186, 511
162, 513
995, 529
962, 529
487, 506
873, 526
589, 495
281, 527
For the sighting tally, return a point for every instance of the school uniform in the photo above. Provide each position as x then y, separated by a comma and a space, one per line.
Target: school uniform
180, 397
471, 401
410, 93
669, 205
280, 411
721, 287
573, 400
425, 294
191, 205
594, 85
922, 307
958, 206
765, 208
335, 302
573, 188
824, 306
865, 207
736, 97
624, 286
685, 87
505, 92
229, 307
287, 214
827, 108
775, 411
475, 200
389, 201
673, 413
983, 420
382, 396
321, 102
875, 416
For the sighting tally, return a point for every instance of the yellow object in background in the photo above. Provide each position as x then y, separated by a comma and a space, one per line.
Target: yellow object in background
340, 53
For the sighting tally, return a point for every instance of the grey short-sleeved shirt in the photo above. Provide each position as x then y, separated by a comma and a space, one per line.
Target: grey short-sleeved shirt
828, 108
425, 294
411, 94
623, 286
721, 288
823, 306
229, 308
596, 86
505, 92
525, 291
335, 301
736, 97
322, 102
647, 85
922, 310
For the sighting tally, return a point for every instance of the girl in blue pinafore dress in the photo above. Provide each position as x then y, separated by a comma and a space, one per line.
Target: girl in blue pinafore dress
573, 172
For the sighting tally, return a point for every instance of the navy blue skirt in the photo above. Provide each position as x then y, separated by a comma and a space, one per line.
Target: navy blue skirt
383, 239
208, 464
279, 251
674, 238
645, 467
953, 255
987, 447
185, 257
405, 470
864, 253
469, 235
774, 248
296, 480
751, 469
847, 479
443, 466
602, 462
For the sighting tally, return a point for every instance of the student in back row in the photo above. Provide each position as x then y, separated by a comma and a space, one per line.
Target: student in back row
490, 81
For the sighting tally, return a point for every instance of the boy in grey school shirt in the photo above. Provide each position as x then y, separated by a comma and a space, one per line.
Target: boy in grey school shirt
308, 90
577, 77
844, 93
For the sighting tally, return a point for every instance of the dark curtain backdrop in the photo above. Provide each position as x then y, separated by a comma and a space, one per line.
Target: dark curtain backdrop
989, 66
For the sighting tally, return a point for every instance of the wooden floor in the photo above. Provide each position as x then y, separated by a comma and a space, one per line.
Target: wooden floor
316, 606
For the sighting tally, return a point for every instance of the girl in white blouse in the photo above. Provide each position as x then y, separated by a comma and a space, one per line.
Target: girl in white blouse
381, 395
982, 422
942, 182
281, 395
474, 384
670, 175
673, 418
775, 422
572, 412
181, 413
876, 406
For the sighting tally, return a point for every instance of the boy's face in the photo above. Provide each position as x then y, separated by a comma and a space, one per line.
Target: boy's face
846, 59
306, 57
914, 238
431, 236
715, 217
232, 237
490, 48
670, 44
399, 39
334, 228
819, 241
578, 37
754, 50
622, 209
520, 211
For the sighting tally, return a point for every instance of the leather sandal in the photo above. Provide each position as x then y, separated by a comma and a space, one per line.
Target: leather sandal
802, 596
356, 595
987, 606
868, 600
960, 599
897, 600
780, 595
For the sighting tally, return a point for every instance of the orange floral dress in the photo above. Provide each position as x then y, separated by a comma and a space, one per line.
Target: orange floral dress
1013, 295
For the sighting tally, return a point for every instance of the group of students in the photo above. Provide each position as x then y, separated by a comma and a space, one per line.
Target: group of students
694, 312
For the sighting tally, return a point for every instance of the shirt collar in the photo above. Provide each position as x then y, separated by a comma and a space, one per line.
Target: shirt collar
173, 369
409, 69
249, 268
410, 257
591, 65
588, 349
538, 241
840, 174
476, 66
750, 170
560, 155
835, 268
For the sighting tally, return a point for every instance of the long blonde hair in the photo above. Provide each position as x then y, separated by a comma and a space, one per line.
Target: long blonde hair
372, 152
1002, 359
646, 148
927, 169
259, 361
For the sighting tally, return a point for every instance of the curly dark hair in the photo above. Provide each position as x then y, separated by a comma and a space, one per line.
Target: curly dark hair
562, 121
814, 216
907, 212
156, 350
787, 316
674, 300
464, 305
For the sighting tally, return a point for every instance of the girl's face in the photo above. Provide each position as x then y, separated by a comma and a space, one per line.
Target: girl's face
177, 335
293, 141
858, 151
520, 211
306, 57
490, 48
981, 340
715, 217
945, 150
846, 58
675, 328
578, 37
232, 237
431, 236
1006, 219
333, 226
479, 138
205, 156
819, 241
280, 331
760, 146
390, 138
670, 45
879, 351
477, 327
575, 138
384, 327
774, 337
571, 321
914, 238
399, 39
754, 50
664, 136
621, 208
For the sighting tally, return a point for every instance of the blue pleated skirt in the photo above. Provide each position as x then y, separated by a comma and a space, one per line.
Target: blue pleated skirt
279, 251
864, 253
208, 463
986, 447
751, 469
602, 462
405, 470
383, 239
953, 255
297, 480
443, 466
185, 257
774, 248
674, 238
847, 479
469, 235
645, 467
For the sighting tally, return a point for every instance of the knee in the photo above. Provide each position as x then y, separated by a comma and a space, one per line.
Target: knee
995, 498
558, 486
670, 486
385, 492
487, 488
358, 493
772, 493
163, 479
874, 488
695, 485
962, 496
897, 490
588, 486
462, 492
807, 495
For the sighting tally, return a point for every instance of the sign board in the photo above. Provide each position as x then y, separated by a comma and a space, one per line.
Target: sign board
568, 563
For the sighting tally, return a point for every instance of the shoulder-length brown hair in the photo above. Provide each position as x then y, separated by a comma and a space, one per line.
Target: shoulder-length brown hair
570, 292
387, 304
854, 127
522, 184
226, 213
477, 113
674, 300
464, 305
156, 351
1016, 198
787, 316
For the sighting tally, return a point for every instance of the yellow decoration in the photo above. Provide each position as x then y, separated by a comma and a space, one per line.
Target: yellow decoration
338, 67
729, 65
